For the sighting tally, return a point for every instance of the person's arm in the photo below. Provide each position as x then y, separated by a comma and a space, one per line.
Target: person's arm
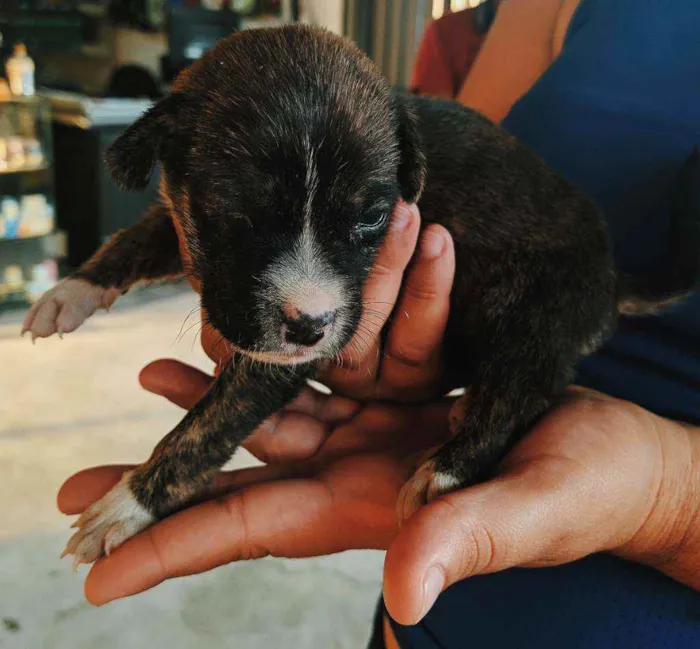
525, 38
597, 475
669, 540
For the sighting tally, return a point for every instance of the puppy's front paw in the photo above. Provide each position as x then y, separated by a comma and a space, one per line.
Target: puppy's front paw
426, 484
66, 306
106, 524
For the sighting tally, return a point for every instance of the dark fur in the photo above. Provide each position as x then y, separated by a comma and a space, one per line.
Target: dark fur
183, 462
148, 251
535, 286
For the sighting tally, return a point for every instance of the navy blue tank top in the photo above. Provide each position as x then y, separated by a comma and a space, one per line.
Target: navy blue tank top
618, 113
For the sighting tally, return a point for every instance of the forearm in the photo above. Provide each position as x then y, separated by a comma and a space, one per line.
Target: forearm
669, 538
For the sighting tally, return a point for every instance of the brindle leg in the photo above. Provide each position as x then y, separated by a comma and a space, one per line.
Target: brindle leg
527, 360
146, 251
506, 398
184, 462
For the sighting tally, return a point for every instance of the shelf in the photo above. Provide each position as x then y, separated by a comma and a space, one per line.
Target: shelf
14, 301
24, 170
28, 181
27, 264
29, 100
33, 249
4, 240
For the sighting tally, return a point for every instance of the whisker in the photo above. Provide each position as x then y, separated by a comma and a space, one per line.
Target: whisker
379, 322
372, 333
184, 322
376, 312
186, 331
197, 335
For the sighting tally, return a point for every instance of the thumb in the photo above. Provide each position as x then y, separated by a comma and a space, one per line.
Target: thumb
536, 516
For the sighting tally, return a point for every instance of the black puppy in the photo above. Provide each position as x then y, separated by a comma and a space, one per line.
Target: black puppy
283, 154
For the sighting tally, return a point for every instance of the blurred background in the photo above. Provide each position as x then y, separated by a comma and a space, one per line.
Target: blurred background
73, 75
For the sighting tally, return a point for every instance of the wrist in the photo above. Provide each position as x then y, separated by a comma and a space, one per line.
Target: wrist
669, 537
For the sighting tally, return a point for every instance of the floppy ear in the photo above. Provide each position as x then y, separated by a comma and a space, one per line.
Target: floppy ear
412, 168
132, 157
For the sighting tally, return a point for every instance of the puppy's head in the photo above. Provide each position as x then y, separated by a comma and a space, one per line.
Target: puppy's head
283, 154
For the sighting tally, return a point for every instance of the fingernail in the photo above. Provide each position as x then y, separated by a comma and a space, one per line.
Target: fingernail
401, 218
433, 583
432, 244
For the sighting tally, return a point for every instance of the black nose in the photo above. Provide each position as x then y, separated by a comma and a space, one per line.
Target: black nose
307, 330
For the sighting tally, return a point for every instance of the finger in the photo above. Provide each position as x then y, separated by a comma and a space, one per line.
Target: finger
547, 513
287, 436
277, 439
330, 409
446, 541
85, 487
249, 523
184, 386
179, 383
357, 374
295, 433
300, 430
411, 368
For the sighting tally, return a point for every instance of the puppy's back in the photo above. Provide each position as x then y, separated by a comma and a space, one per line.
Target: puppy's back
486, 186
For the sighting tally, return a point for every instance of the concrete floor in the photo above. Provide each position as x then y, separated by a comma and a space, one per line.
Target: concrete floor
74, 403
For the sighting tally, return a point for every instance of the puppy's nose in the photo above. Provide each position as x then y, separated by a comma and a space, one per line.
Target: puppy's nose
305, 329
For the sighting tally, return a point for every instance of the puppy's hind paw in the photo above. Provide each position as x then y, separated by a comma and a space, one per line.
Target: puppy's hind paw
66, 306
426, 484
106, 524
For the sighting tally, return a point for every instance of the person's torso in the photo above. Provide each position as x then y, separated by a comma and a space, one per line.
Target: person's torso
618, 114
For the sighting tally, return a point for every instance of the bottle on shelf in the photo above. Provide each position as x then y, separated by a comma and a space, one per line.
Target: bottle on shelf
20, 72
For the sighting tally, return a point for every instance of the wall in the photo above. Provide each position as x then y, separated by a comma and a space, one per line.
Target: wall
328, 13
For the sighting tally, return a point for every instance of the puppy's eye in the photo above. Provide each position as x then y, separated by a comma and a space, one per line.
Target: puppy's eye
372, 220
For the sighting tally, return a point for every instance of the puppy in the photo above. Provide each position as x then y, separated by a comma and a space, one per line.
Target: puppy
283, 154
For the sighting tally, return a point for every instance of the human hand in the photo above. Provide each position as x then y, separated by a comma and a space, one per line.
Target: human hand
596, 474
342, 463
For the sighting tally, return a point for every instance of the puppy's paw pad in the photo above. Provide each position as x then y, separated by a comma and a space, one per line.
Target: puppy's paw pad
106, 524
66, 306
426, 484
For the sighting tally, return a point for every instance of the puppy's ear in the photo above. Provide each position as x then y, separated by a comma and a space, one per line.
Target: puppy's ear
132, 157
412, 168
